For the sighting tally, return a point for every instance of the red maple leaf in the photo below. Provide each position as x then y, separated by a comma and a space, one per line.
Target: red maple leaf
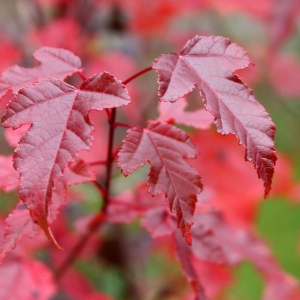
60, 128
165, 147
209, 63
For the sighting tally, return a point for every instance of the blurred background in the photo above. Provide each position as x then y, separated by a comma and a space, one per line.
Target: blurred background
123, 37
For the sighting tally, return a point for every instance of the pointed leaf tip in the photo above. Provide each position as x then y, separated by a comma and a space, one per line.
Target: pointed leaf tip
49, 234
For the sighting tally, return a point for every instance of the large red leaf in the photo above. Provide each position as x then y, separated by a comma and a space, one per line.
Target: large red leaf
60, 128
209, 63
165, 147
53, 62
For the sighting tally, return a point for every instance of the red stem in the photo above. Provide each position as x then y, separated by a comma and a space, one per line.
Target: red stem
82, 76
95, 223
97, 163
137, 75
100, 188
117, 124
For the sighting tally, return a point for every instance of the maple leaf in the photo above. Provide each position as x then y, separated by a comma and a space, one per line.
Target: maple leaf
158, 222
60, 128
165, 148
209, 63
53, 62
26, 279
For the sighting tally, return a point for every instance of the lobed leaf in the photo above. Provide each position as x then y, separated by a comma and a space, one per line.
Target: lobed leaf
165, 147
52, 62
209, 63
60, 127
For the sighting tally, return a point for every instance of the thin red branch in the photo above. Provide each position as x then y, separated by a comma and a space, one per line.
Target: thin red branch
82, 76
97, 163
100, 188
117, 124
137, 75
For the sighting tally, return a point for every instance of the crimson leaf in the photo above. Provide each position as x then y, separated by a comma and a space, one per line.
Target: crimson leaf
53, 62
60, 128
165, 148
209, 63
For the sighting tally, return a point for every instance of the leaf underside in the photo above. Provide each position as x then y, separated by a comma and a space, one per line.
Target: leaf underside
60, 127
165, 147
209, 63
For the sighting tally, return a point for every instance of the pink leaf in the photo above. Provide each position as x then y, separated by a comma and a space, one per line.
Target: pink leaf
209, 63
18, 225
77, 173
60, 128
26, 279
8, 176
158, 222
165, 148
53, 62
175, 113
217, 242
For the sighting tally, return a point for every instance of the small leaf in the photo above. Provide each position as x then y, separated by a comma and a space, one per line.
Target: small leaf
165, 147
209, 63
158, 222
53, 62
60, 128
8, 176
17, 226
26, 279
